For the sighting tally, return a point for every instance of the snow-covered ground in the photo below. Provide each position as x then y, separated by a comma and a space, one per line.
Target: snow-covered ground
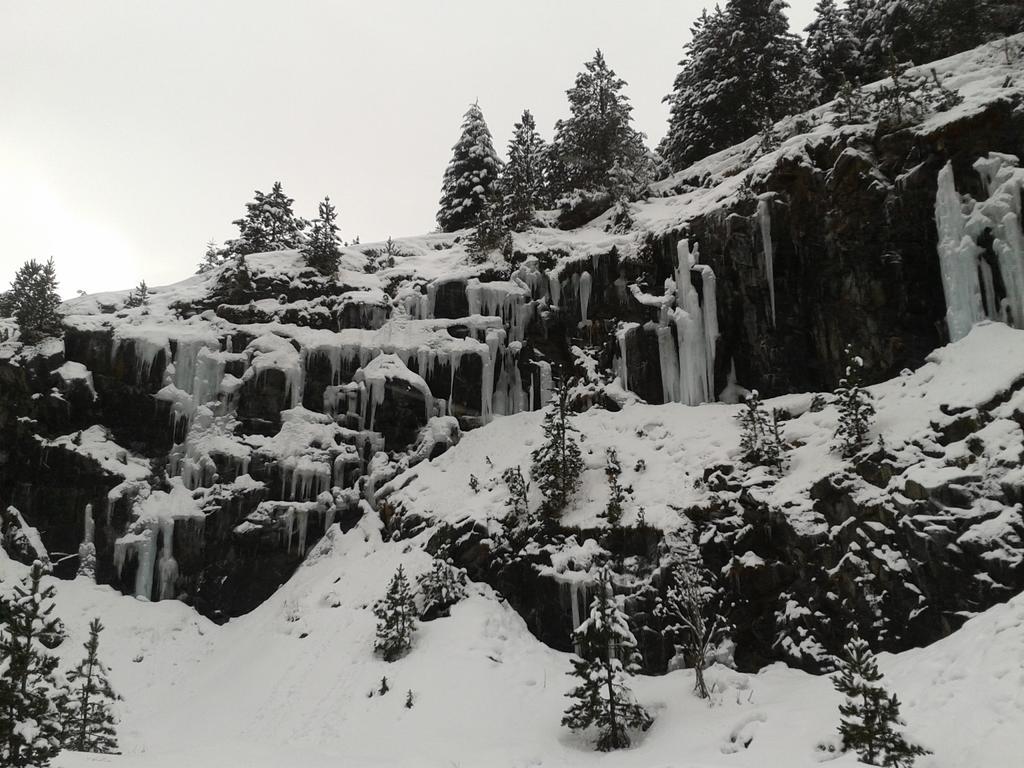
290, 685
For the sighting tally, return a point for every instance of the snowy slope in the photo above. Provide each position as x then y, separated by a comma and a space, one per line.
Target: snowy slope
288, 685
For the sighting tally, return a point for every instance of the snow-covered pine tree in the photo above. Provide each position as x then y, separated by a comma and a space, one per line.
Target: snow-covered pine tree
616, 493
524, 187
396, 618
89, 722
441, 587
598, 134
688, 611
831, 47
870, 715
557, 463
34, 301
30, 688
760, 438
602, 697
742, 70
470, 176
491, 233
856, 409
269, 224
321, 250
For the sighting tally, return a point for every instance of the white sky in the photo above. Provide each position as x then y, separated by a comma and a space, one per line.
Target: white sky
132, 132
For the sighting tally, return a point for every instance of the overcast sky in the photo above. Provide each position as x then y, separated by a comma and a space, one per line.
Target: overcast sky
132, 132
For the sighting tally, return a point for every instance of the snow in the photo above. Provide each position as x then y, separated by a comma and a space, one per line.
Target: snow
291, 683
71, 371
97, 444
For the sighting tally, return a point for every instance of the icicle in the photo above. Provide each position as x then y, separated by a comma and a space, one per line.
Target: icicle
585, 285
303, 515
289, 523
764, 216
958, 259
668, 359
709, 315
167, 566
89, 535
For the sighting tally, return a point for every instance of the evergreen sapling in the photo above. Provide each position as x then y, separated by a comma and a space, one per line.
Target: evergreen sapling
557, 463
89, 722
321, 250
602, 698
856, 409
30, 688
441, 587
396, 618
870, 715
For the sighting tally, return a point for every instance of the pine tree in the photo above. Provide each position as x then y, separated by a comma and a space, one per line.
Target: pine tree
598, 133
469, 177
490, 233
760, 439
831, 48
441, 587
602, 697
689, 615
34, 302
870, 715
321, 250
856, 409
396, 618
269, 224
743, 69
523, 184
616, 493
213, 257
557, 463
30, 721
138, 296
87, 706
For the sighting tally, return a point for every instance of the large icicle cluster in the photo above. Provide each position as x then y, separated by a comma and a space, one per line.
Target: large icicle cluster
981, 246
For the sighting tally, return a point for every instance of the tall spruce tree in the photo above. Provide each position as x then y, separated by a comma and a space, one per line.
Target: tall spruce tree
524, 187
396, 618
30, 689
321, 250
89, 722
269, 224
870, 715
831, 48
854, 402
557, 463
598, 134
34, 302
743, 70
608, 650
470, 176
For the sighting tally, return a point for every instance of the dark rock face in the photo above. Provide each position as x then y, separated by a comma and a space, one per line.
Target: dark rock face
854, 241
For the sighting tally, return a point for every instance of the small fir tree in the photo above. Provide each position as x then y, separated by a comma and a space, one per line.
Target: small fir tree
321, 250
760, 440
441, 587
852, 107
557, 463
470, 176
490, 234
213, 257
269, 224
396, 618
602, 697
89, 722
34, 302
616, 493
856, 409
138, 296
30, 689
523, 184
870, 715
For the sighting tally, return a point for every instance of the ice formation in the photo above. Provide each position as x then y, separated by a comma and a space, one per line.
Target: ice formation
980, 241
687, 331
764, 218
